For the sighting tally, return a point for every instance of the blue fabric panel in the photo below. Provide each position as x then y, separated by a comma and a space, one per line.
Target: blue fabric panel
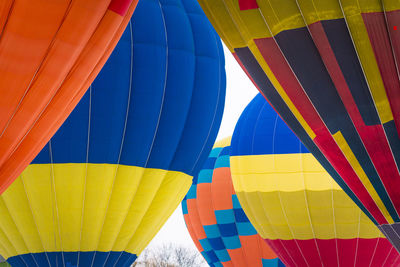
215, 153
246, 229
235, 202
270, 262
212, 231
222, 161
232, 242
209, 163
207, 105
240, 216
157, 102
223, 255
184, 207
205, 176
228, 229
70, 259
342, 45
224, 216
210, 256
393, 138
205, 244
216, 243
192, 193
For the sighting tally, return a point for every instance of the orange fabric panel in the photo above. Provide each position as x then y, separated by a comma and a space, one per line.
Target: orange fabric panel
267, 252
222, 189
205, 205
195, 219
239, 259
252, 249
192, 232
21, 146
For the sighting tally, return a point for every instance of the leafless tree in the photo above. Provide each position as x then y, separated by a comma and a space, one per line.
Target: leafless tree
169, 255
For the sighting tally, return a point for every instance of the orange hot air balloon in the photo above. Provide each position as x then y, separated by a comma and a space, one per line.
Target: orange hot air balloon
217, 223
50, 52
331, 70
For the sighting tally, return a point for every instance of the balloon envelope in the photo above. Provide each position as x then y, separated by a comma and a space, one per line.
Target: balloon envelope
123, 161
293, 202
331, 70
216, 221
50, 52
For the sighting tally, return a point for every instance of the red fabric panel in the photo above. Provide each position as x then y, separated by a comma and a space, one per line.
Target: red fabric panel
373, 136
378, 35
324, 140
247, 4
120, 6
349, 252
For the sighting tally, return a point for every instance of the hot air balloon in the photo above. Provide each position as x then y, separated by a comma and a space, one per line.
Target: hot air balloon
123, 161
293, 202
50, 52
217, 223
331, 70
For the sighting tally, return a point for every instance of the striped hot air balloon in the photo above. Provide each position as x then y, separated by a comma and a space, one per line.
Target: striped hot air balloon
216, 221
331, 70
123, 161
50, 52
293, 202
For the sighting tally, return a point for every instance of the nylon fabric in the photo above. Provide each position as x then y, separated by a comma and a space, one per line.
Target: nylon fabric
293, 203
122, 162
293, 49
215, 220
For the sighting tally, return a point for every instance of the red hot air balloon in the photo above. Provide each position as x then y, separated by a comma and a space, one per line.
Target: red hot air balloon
331, 70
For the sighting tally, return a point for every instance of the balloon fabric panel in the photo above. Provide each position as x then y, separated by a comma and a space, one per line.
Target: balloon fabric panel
293, 202
114, 172
330, 69
50, 52
215, 220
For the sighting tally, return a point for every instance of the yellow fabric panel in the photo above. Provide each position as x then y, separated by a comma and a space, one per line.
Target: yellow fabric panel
69, 185
223, 142
391, 5
314, 10
161, 208
351, 158
16, 205
7, 245
154, 184
284, 172
109, 222
42, 210
352, 10
39, 188
306, 215
290, 196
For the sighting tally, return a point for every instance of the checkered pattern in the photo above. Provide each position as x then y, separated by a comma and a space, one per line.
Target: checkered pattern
216, 221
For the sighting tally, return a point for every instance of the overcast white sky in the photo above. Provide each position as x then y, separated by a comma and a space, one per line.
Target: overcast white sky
239, 92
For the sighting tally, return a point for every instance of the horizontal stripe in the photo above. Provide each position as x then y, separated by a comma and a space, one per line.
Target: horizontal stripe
349, 252
283, 172
88, 207
285, 215
70, 259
